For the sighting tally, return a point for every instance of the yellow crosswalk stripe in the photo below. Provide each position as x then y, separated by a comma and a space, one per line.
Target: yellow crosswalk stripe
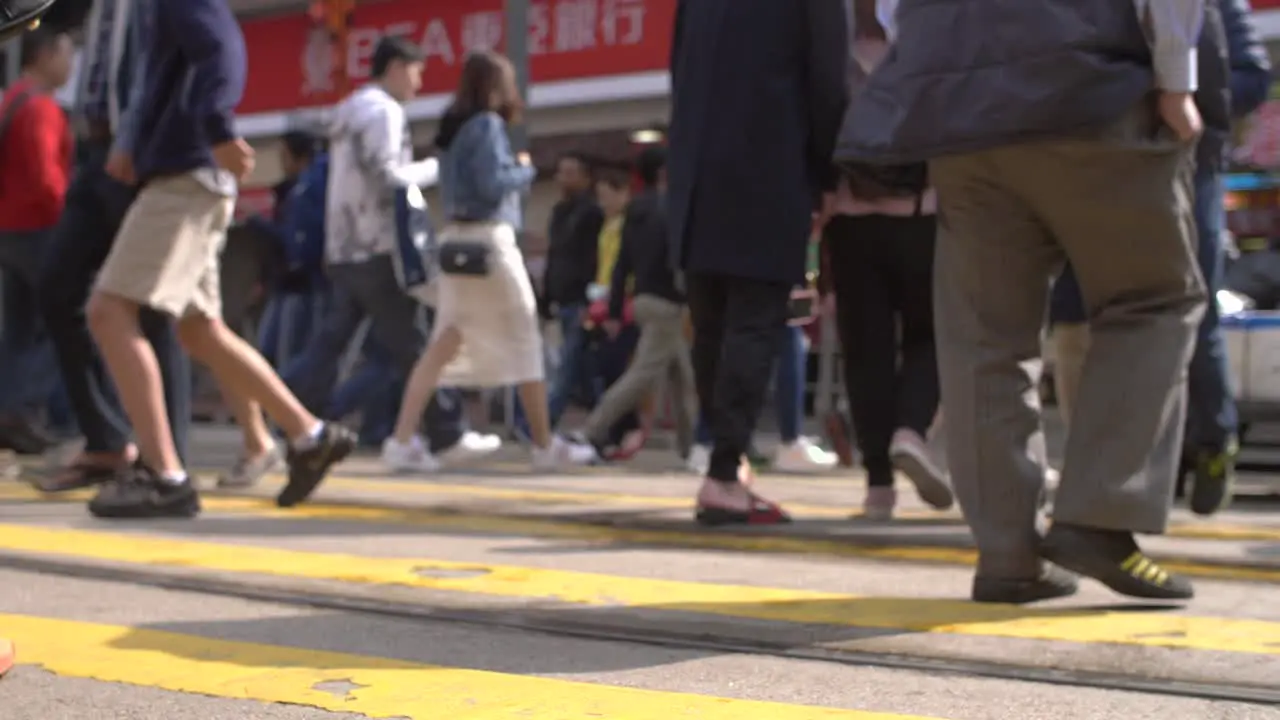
379, 687
551, 527
1155, 629
357, 483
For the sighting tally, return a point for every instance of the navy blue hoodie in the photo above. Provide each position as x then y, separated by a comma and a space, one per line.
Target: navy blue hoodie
194, 65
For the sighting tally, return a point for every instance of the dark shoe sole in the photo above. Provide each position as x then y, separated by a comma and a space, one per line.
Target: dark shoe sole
185, 510
1051, 585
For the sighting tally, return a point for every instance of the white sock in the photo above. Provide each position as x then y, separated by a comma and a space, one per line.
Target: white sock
310, 439
174, 479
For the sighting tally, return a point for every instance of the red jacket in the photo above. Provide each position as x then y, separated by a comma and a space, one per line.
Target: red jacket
35, 162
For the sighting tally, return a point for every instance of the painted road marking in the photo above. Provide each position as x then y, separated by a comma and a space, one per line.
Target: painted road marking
361, 685
1196, 529
587, 532
953, 617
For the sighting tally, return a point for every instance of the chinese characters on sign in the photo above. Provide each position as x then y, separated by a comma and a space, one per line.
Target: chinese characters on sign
555, 27
291, 65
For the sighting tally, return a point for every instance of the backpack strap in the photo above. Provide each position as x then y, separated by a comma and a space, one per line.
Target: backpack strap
11, 110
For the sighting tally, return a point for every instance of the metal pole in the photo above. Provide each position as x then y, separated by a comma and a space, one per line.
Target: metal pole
517, 47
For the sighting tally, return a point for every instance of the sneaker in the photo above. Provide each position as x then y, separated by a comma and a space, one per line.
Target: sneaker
804, 456
308, 466
1113, 558
1214, 478
911, 457
472, 446
879, 503
410, 457
248, 472
563, 453
1050, 584
140, 493
699, 459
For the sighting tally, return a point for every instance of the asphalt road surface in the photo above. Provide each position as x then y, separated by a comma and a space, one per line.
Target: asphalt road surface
493, 594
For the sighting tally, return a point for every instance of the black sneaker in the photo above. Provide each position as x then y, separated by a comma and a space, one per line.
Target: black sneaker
1051, 584
17, 16
140, 493
1214, 478
308, 467
1113, 558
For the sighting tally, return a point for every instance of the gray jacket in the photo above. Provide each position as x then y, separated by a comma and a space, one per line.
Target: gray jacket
1058, 67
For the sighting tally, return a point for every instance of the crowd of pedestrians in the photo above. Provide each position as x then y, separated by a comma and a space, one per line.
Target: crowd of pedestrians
860, 128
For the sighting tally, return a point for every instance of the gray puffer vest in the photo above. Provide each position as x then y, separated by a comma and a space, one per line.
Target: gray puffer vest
971, 75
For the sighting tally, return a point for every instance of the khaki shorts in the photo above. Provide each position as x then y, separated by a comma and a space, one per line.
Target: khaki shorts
165, 255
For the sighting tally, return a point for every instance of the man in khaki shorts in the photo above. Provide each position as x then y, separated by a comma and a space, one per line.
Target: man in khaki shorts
188, 161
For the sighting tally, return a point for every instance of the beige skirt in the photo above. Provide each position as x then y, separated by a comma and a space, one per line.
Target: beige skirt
497, 314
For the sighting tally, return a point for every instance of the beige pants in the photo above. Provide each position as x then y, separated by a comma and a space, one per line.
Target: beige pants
662, 355
1070, 345
165, 255
1117, 203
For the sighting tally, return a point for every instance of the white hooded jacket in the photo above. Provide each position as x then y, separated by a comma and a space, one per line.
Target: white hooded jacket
370, 158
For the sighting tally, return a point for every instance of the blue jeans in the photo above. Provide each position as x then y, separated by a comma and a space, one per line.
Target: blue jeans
287, 323
374, 390
788, 382
370, 290
1211, 408
28, 365
588, 364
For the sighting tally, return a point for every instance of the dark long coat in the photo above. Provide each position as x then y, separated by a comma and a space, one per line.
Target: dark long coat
759, 88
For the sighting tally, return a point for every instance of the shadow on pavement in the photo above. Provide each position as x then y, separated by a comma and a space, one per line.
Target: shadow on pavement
775, 625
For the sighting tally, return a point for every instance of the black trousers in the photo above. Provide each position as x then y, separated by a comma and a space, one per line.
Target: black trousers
737, 332
882, 274
95, 207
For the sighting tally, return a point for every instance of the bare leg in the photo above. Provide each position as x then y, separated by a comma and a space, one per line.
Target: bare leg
253, 426
243, 372
423, 380
533, 396
131, 360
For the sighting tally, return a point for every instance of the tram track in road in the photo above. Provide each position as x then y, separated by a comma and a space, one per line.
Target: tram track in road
559, 624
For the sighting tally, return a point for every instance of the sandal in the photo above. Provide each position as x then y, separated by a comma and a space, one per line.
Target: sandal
762, 512
76, 476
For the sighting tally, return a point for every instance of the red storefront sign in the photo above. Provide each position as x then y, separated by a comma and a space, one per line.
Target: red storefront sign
1266, 4
290, 63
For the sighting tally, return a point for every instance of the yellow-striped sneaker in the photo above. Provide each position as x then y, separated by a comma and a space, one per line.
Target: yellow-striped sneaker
1113, 558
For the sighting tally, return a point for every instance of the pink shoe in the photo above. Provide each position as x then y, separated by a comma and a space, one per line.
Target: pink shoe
735, 504
911, 457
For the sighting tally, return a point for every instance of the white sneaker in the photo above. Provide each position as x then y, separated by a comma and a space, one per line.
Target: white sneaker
804, 456
410, 457
472, 446
563, 453
699, 459
246, 473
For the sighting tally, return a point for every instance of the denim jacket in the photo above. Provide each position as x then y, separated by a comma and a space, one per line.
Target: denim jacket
480, 179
